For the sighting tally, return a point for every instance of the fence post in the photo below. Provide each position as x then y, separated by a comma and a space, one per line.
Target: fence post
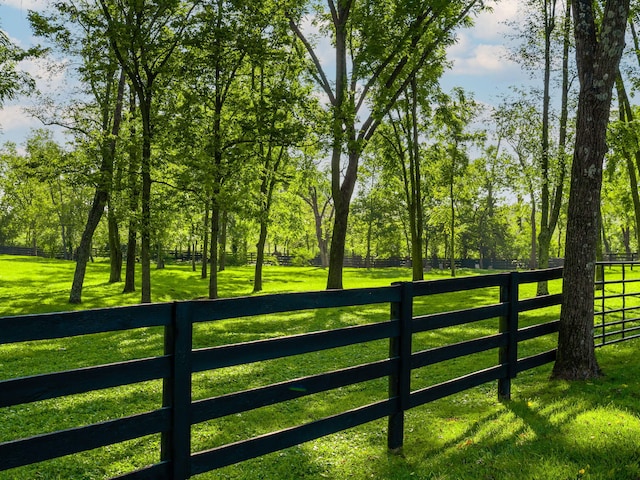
508, 355
176, 392
400, 380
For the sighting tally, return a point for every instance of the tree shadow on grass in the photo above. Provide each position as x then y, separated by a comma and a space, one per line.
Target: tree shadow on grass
550, 430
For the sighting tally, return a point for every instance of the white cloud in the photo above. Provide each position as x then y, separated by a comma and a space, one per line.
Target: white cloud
26, 4
481, 59
491, 26
13, 119
482, 49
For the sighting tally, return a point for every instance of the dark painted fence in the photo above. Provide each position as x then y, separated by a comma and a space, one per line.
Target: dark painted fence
617, 302
174, 420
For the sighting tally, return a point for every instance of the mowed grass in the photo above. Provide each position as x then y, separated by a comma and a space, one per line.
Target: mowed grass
550, 430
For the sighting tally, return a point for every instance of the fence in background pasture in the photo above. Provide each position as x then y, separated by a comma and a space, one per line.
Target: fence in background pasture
180, 361
617, 303
29, 252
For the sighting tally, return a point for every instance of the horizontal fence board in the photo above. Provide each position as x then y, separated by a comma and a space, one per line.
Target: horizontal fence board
59, 384
456, 350
614, 333
48, 326
260, 350
539, 302
618, 282
616, 310
537, 360
80, 439
618, 323
159, 471
435, 321
208, 409
618, 340
534, 331
530, 276
225, 308
457, 385
272, 442
449, 285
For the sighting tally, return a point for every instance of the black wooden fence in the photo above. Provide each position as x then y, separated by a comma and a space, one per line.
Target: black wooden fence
174, 420
179, 413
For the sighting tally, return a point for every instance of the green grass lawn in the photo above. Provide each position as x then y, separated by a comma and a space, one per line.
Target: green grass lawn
550, 430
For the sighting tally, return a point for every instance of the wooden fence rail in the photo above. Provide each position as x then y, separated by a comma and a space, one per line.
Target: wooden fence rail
179, 413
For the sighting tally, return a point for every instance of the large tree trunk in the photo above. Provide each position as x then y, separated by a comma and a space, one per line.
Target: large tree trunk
416, 215
338, 242
597, 60
341, 191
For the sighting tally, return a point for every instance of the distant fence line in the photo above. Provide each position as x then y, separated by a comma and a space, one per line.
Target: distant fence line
24, 251
353, 261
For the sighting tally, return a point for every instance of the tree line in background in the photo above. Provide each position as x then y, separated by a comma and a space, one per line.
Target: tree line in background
309, 128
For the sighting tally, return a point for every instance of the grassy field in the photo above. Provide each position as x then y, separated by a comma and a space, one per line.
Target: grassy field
550, 430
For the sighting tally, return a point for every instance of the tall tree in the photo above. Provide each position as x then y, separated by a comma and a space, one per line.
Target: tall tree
313, 187
628, 145
379, 47
276, 98
402, 134
144, 36
517, 123
452, 117
544, 45
216, 68
553, 179
599, 47
75, 29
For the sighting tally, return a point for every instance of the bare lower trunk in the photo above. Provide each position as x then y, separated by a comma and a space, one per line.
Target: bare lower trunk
598, 52
262, 240
205, 243
338, 242
130, 266
215, 229
222, 257
145, 230
544, 244
115, 249
95, 214
134, 193
533, 263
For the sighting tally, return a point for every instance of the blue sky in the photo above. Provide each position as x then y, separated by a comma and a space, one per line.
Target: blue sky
479, 63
